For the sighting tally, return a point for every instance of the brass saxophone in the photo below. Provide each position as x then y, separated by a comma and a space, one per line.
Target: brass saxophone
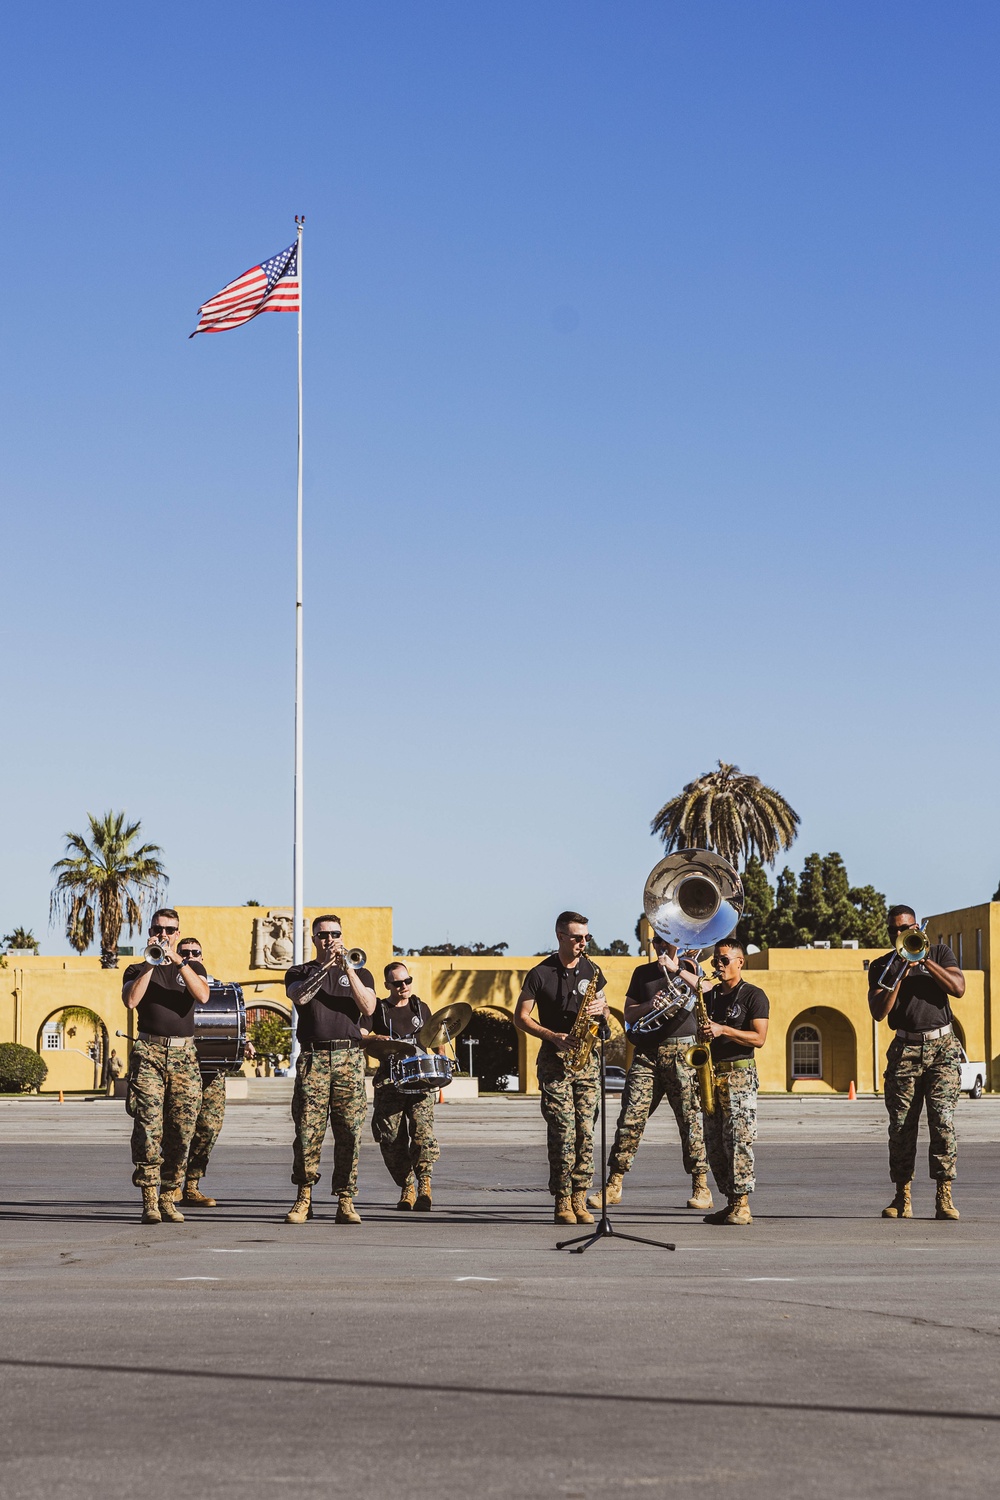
699, 1056
583, 1033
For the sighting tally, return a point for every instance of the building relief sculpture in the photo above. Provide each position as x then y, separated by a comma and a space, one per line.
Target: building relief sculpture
272, 940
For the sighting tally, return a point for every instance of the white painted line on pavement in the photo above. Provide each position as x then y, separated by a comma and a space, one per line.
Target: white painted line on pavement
477, 1278
197, 1278
213, 1251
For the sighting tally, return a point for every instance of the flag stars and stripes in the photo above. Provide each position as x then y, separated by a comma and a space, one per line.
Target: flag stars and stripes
273, 286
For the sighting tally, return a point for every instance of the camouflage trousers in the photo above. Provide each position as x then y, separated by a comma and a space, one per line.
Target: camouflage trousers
731, 1131
211, 1113
403, 1125
164, 1092
329, 1086
917, 1073
649, 1081
569, 1109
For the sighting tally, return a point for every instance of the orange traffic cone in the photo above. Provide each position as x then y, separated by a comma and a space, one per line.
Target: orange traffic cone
852, 1092
61, 1099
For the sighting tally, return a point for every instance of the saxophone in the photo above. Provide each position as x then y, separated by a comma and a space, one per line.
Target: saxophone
583, 1033
699, 1056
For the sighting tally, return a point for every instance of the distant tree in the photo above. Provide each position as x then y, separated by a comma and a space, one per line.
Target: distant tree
996, 894
758, 904
109, 881
814, 912
73, 1016
450, 950
251, 903
271, 1036
617, 948
783, 929
872, 911
22, 940
495, 1055
734, 814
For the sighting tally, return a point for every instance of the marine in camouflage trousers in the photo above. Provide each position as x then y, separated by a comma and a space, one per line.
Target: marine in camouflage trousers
569, 1109
211, 1113
731, 1131
163, 1096
329, 1086
917, 1073
403, 1125
649, 1081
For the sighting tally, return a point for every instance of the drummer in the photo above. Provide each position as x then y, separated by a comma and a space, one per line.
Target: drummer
403, 1124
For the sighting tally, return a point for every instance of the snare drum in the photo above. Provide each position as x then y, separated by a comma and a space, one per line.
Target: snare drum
420, 1074
220, 1027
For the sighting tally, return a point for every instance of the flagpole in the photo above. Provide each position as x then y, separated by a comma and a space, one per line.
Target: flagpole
297, 865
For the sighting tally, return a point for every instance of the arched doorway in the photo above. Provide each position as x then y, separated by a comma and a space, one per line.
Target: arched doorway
269, 1027
494, 1049
73, 1041
821, 1052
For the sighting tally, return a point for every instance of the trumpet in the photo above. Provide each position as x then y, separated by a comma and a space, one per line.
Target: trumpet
156, 954
354, 958
912, 947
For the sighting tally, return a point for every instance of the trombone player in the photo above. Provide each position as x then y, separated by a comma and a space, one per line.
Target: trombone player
912, 987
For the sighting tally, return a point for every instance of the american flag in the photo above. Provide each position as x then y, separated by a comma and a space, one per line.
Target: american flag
273, 286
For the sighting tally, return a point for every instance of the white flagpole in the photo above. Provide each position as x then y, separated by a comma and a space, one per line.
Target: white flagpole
297, 902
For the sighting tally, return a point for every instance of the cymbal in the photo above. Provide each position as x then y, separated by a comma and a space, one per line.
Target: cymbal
387, 1046
445, 1025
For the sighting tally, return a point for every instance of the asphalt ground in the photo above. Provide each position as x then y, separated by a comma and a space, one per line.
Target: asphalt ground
824, 1351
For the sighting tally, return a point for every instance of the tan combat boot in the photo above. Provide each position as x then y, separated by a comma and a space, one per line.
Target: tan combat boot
150, 1206
721, 1215
900, 1207
193, 1196
168, 1208
408, 1196
739, 1211
346, 1212
579, 1202
701, 1196
301, 1209
943, 1207
614, 1191
423, 1203
564, 1211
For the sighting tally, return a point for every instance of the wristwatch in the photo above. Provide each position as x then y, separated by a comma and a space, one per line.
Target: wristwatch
183, 963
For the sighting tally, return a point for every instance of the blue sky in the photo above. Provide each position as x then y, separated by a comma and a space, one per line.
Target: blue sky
651, 418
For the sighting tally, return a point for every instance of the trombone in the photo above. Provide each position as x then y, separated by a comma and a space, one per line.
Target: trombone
912, 947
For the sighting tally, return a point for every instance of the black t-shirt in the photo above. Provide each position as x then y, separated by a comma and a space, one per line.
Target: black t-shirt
921, 1004
557, 992
738, 1008
646, 984
167, 1007
333, 1015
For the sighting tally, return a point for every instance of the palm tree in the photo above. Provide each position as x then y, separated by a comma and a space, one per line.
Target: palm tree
736, 815
107, 880
21, 940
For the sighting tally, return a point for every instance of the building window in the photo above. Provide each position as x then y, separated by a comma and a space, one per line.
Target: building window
979, 947
959, 950
51, 1036
807, 1053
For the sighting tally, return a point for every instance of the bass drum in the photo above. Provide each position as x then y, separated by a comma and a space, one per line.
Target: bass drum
220, 1027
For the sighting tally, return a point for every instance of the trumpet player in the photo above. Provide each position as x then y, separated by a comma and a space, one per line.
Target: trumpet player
737, 1023
914, 991
556, 988
331, 997
659, 1068
164, 1083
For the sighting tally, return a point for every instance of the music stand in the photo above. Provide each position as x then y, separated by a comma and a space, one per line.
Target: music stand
604, 1229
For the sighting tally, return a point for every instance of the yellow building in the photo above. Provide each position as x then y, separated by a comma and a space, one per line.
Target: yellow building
821, 1036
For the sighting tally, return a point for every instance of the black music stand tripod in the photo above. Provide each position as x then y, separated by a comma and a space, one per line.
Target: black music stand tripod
604, 1229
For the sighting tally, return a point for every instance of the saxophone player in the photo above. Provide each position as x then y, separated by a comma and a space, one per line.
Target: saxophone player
737, 1024
556, 988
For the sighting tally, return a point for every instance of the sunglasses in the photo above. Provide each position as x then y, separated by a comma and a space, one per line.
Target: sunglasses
189, 952
159, 931
319, 936
399, 984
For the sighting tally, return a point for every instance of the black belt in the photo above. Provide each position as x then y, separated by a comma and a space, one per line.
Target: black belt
341, 1044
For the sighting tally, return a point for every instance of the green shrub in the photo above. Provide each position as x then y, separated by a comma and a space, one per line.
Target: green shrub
21, 1069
